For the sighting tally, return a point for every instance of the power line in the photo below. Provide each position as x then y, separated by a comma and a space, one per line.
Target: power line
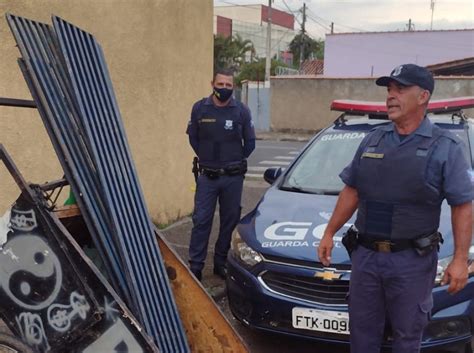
344, 26
293, 12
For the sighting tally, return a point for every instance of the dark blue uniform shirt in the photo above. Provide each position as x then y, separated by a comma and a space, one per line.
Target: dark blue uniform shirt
401, 183
221, 136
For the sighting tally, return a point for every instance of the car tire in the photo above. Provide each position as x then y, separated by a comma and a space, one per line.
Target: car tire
466, 349
11, 344
469, 348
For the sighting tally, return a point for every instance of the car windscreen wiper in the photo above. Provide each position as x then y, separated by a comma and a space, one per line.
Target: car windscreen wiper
296, 189
330, 192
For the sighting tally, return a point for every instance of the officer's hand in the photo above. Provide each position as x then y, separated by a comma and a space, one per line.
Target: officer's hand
456, 275
325, 248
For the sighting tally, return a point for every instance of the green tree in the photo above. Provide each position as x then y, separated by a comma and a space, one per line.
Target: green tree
230, 52
255, 71
310, 46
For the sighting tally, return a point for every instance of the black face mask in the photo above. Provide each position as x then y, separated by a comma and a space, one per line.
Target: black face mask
223, 94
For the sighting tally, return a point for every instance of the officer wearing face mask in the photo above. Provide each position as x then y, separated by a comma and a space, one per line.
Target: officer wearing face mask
222, 135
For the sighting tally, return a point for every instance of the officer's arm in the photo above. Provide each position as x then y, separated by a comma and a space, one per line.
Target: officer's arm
192, 129
194, 142
248, 132
345, 207
249, 146
461, 218
457, 272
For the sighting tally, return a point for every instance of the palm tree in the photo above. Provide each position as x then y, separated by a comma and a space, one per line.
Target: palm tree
230, 52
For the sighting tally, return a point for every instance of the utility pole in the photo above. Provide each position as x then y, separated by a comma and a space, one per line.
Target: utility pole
432, 5
268, 62
303, 33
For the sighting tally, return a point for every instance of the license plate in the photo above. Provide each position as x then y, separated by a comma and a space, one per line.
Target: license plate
321, 320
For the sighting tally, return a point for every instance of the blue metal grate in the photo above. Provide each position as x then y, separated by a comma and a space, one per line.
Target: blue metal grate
67, 74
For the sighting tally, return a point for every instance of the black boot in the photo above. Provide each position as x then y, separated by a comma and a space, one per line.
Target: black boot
221, 271
197, 274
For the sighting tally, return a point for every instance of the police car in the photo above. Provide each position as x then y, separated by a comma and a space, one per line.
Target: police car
275, 281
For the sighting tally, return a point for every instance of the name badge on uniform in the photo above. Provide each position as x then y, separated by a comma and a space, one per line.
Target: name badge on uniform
420, 152
229, 125
207, 120
372, 155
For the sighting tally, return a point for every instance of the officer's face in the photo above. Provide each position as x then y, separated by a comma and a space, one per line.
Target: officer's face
405, 102
223, 81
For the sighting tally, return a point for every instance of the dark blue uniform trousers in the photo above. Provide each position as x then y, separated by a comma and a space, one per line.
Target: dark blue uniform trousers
394, 286
228, 191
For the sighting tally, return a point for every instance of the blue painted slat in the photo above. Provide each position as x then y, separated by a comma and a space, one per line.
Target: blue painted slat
88, 69
81, 114
57, 114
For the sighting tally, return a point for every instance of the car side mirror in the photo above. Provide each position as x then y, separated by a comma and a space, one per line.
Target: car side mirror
271, 174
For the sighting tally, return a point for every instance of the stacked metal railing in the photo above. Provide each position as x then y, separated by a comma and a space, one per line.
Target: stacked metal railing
66, 72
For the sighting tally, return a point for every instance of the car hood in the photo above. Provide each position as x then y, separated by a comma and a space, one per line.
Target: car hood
290, 225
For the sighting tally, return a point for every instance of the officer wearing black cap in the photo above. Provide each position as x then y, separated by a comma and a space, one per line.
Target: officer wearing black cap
222, 135
399, 177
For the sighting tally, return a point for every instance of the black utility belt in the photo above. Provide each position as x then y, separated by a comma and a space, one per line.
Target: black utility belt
215, 173
421, 244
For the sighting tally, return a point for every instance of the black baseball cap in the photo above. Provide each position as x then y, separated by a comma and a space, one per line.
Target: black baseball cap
409, 75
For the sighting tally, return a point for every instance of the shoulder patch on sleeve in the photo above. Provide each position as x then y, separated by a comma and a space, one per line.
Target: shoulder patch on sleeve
449, 135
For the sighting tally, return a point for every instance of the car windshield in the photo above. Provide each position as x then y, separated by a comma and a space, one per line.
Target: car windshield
317, 171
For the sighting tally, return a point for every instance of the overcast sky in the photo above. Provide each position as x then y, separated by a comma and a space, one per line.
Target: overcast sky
373, 15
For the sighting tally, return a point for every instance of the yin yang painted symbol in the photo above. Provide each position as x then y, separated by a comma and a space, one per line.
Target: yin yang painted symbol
30, 272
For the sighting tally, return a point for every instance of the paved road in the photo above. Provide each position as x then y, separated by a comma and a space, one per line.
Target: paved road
269, 154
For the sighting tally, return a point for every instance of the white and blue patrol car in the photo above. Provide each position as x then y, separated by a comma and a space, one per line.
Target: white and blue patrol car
275, 280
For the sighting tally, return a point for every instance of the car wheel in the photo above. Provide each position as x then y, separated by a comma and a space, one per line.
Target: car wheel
11, 344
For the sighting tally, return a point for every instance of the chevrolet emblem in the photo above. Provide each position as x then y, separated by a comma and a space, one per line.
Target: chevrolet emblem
328, 275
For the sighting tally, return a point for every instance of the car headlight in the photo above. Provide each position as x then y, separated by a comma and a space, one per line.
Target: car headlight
471, 261
442, 265
444, 262
244, 253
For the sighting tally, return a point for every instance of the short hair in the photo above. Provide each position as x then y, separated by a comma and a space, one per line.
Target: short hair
224, 72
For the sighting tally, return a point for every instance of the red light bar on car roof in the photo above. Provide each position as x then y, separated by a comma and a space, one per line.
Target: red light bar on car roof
435, 106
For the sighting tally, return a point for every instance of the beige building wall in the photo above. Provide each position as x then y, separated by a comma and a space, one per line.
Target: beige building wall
303, 104
159, 54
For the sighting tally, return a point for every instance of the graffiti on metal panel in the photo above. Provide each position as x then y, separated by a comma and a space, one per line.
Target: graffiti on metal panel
60, 316
45, 302
109, 309
23, 220
27, 261
32, 330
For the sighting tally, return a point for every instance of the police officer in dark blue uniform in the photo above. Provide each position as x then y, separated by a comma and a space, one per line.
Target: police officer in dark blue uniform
222, 135
397, 180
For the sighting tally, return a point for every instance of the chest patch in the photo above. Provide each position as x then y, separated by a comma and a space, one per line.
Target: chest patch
421, 152
207, 120
372, 155
229, 125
